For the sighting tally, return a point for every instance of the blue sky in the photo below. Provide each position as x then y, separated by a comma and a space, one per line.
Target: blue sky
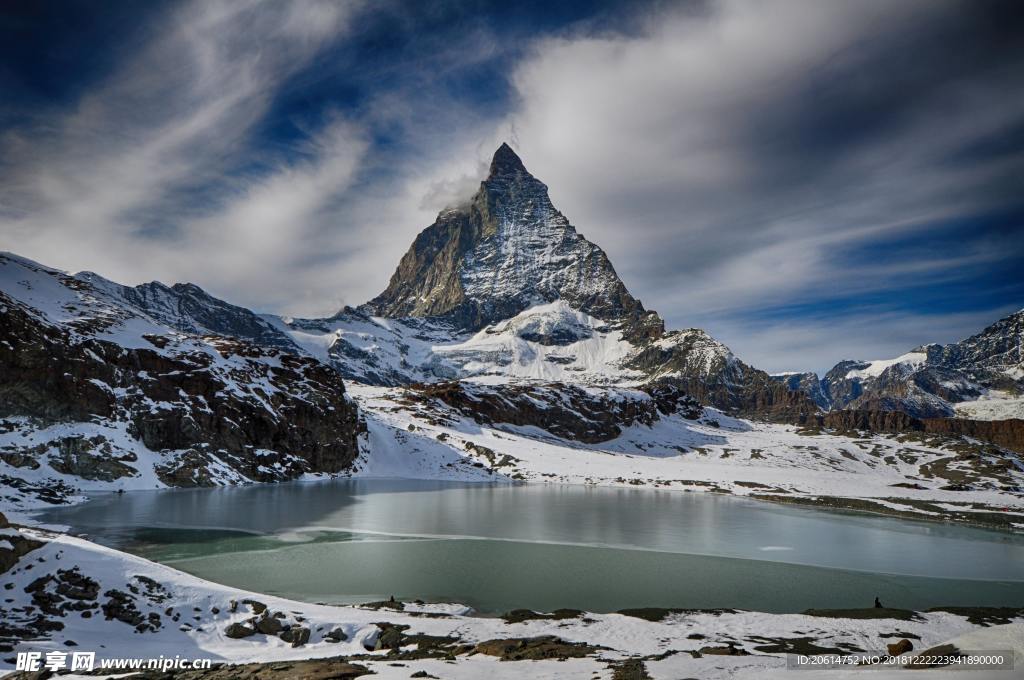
808, 181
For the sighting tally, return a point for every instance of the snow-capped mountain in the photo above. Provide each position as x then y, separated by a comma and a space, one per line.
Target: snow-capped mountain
500, 319
130, 387
981, 377
506, 250
504, 286
188, 308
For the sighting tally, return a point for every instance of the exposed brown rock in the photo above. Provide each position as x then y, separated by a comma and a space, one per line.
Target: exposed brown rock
1006, 433
19, 546
535, 648
562, 409
899, 647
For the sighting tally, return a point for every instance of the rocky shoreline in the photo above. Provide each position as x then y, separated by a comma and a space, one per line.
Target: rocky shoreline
991, 519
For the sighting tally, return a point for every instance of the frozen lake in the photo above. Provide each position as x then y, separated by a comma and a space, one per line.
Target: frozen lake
498, 547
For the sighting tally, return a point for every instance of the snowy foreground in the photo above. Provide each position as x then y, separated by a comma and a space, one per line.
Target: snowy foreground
188, 617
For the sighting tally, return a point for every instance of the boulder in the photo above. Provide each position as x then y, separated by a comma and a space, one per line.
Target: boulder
336, 635
900, 647
390, 637
269, 625
239, 630
297, 635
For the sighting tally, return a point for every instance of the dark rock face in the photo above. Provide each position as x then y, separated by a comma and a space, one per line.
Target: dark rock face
809, 384
997, 347
838, 388
506, 250
564, 410
76, 458
1005, 433
719, 379
267, 414
19, 545
239, 630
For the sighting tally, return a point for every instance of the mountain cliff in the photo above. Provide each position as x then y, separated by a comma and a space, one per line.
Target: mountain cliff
102, 382
505, 250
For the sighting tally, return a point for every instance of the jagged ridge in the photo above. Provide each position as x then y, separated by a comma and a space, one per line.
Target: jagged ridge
981, 377
504, 251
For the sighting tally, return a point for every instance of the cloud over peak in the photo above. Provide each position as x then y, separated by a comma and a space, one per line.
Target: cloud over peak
763, 169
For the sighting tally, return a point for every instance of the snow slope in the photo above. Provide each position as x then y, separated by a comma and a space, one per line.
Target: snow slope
719, 453
879, 366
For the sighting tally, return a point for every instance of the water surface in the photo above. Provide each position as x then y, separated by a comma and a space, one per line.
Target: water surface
497, 547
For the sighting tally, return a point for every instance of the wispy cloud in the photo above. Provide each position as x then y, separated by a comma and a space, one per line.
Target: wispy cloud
755, 168
756, 154
139, 180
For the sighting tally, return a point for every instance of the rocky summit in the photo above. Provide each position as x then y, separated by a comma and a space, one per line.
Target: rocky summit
507, 249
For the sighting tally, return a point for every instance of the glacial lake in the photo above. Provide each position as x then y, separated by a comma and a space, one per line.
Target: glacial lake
499, 547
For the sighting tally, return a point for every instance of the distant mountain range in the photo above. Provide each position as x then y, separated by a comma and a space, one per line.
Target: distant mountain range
981, 377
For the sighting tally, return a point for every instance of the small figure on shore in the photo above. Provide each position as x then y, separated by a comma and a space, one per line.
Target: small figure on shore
878, 604
393, 599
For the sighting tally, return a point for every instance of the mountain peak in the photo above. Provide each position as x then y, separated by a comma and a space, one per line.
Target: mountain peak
506, 250
506, 162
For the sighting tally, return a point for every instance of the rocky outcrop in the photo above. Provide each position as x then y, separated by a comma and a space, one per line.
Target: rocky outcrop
808, 383
586, 415
13, 545
1006, 433
708, 371
204, 402
931, 380
505, 250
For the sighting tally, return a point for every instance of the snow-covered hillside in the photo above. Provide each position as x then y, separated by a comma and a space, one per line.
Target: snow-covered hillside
98, 391
546, 342
926, 477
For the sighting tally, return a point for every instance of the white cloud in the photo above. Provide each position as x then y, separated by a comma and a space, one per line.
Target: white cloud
112, 184
731, 160
726, 158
